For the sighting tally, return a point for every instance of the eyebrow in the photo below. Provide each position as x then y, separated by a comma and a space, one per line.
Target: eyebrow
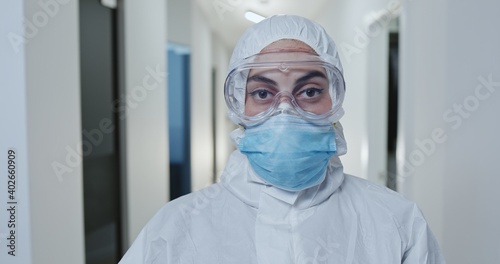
310, 75
260, 78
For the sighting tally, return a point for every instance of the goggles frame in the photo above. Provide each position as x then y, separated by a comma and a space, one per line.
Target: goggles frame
236, 102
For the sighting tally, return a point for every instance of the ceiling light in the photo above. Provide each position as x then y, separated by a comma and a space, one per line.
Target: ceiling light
254, 17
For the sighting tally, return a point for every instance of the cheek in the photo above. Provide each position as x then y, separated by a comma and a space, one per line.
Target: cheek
322, 107
250, 109
325, 107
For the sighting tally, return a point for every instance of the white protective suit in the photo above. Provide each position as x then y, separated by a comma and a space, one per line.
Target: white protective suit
241, 220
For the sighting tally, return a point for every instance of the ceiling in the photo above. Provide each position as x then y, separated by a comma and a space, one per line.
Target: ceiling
226, 17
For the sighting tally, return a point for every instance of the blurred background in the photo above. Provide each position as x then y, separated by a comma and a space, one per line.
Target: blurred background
114, 107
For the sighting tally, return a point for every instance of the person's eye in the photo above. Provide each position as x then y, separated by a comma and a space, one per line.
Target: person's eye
311, 92
261, 94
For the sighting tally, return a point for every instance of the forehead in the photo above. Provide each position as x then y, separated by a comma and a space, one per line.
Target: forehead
285, 45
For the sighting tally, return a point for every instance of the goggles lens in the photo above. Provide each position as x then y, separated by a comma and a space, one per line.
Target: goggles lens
293, 82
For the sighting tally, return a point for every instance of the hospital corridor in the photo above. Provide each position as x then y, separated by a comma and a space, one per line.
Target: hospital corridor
249, 131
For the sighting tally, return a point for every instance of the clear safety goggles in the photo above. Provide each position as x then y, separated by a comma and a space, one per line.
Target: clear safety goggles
295, 83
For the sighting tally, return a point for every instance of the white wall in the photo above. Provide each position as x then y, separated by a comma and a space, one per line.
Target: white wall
41, 93
13, 138
202, 158
223, 124
179, 21
449, 50
364, 53
421, 104
145, 113
187, 25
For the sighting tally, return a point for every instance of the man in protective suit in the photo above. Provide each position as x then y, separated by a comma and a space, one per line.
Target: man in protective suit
283, 196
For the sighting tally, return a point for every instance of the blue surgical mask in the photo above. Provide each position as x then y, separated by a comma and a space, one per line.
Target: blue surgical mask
288, 152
